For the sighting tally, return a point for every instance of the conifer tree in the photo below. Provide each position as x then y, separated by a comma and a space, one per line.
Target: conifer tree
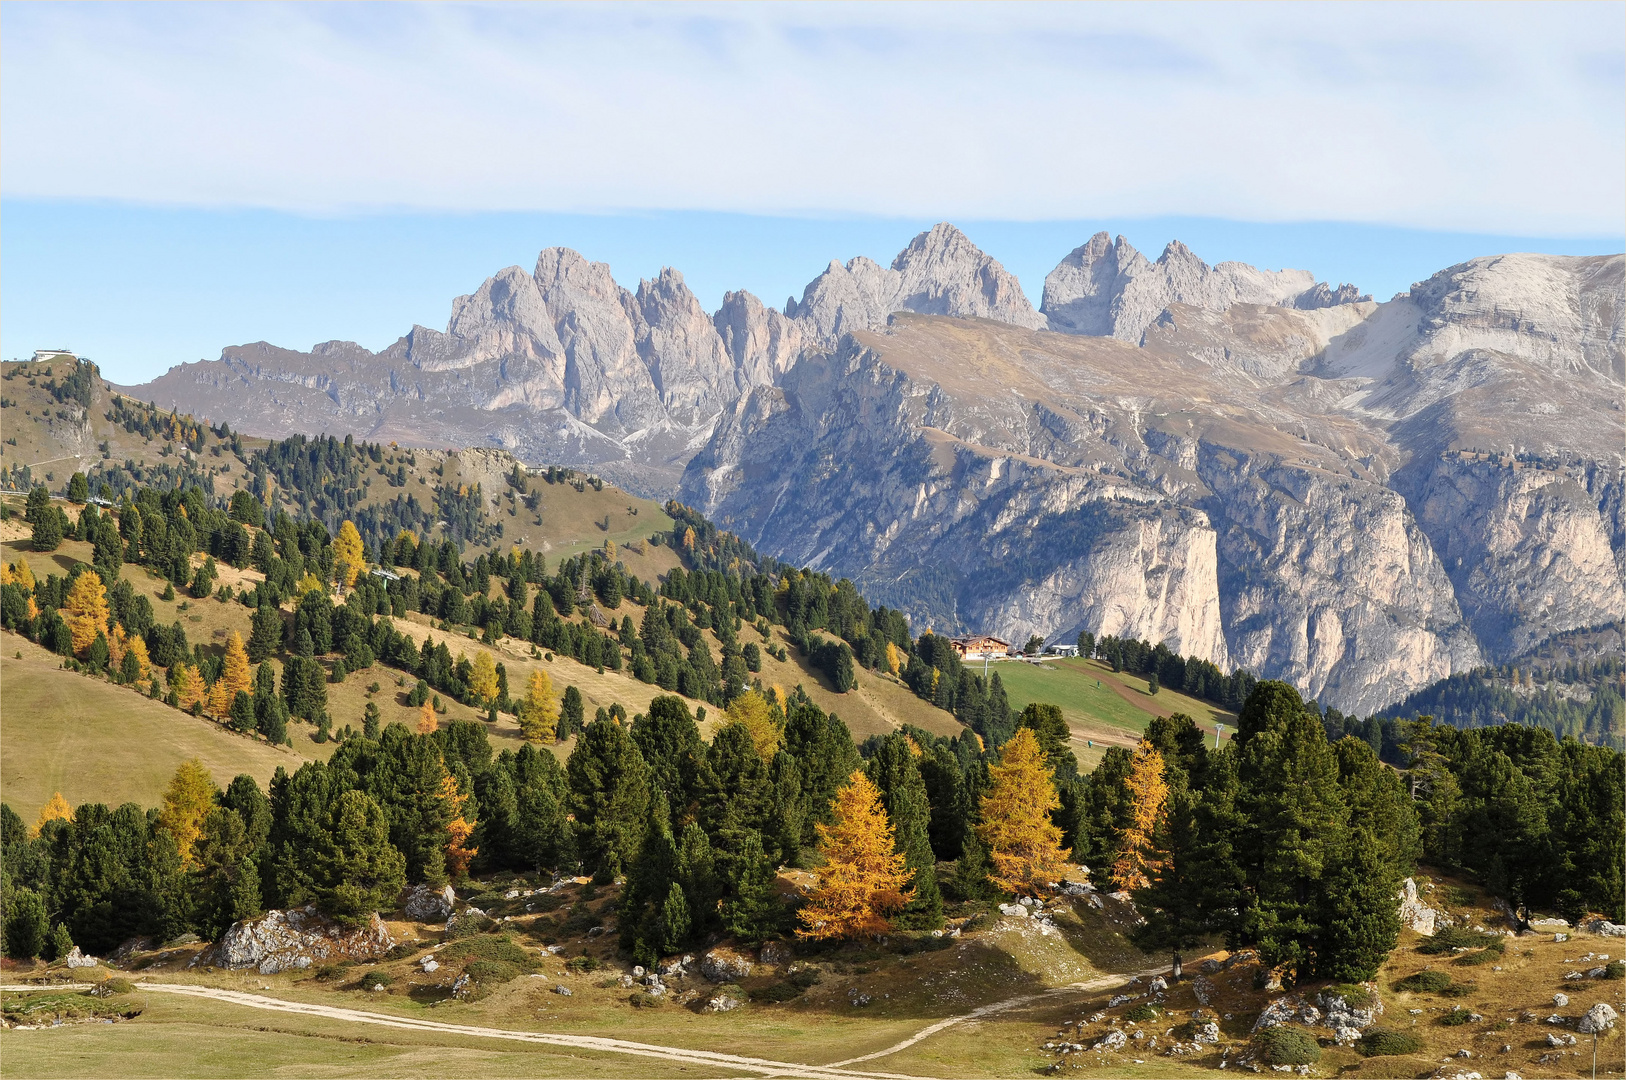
1359, 921
539, 711
348, 555
187, 801
1023, 843
893, 770
750, 709
85, 611
697, 872
675, 921
570, 713
752, 911
610, 795
736, 794
48, 530
355, 870
1149, 795
669, 741
236, 673
484, 680
970, 881
458, 830
427, 723
862, 883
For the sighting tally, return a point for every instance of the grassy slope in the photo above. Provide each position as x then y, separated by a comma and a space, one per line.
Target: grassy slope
1102, 707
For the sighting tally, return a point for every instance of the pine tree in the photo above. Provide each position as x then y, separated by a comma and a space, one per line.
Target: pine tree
1149, 794
610, 795
539, 711
697, 872
48, 530
675, 922
1023, 843
669, 741
187, 801
348, 555
862, 882
1359, 921
265, 632
85, 611
970, 881
893, 770
27, 925
570, 713
61, 943
355, 870
752, 911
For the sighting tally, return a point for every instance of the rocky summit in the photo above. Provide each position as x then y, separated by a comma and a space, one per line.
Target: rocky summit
1252, 466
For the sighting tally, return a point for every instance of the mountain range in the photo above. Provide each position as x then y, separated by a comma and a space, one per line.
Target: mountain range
1255, 467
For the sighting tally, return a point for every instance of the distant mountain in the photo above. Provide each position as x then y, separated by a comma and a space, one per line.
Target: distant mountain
1254, 466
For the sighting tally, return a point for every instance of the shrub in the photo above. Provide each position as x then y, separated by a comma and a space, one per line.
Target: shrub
645, 1000
581, 965
1351, 994
1451, 938
777, 993
492, 972
401, 951
376, 978
1424, 982
1456, 1017
1387, 1042
1142, 1013
1286, 1046
1483, 956
499, 949
1614, 970
115, 985
1458, 990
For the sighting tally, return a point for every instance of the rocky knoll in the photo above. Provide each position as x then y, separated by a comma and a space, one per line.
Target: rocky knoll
293, 940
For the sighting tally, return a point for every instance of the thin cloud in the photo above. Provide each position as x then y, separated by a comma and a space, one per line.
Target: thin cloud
1499, 118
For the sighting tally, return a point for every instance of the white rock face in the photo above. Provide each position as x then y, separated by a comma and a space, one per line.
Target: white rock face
1598, 1019
425, 903
1108, 289
295, 939
77, 959
723, 965
1414, 914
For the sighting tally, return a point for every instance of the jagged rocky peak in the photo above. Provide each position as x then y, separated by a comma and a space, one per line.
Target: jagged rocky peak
941, 272
762, 343
1106, 288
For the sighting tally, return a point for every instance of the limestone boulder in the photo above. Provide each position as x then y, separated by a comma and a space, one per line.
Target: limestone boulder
296, 939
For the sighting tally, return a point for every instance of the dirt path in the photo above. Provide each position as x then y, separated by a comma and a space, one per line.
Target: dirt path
763, 1066
997, 1007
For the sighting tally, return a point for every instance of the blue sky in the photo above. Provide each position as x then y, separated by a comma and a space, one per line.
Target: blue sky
180, 177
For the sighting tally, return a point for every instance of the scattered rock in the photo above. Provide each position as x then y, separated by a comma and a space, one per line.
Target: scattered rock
1417, 915
597, 931
293, 940
1204, 989
463, 988
1598, 1019
562, 991
1346, 1036
1158, 984
424, 903
1561, 937
1013, 909
723, 1003
430, 964
1607, 928
1560, 1040
778, 952
1115, 1040
1209, 966
724, 965
77, 959
1206, 1033
1550, 922
1561, 1000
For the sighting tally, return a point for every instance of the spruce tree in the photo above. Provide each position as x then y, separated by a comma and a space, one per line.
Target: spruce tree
1358, 919
892, 769
675, 921
610, 796
697, 872
355, 871
970, 881
752, 911
669, 741
736, 795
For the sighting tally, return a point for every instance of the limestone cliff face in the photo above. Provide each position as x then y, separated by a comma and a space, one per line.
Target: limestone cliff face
1106, 288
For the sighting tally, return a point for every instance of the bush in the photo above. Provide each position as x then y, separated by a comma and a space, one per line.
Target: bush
581, 965
1614, 970
1459, 990
777, 993
1456, 1018
1142, 1013
492, 972
1451, 938
1352, 994
1483, 956
1286, 1046
113, 986
645, 1000
1387, 1042
376, 978
401, 951
496, 949
1424, 982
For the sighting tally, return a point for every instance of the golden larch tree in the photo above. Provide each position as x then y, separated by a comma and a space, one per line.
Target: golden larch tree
187, 801
1023, 843
138, 646
348, 556
18, 573
751, 711
220, 699
85, 610
458, 855
55, 810
117, 642
1149, 795
426, 719
236, 674
895, 659
863, 878
484, 680
539, 712
310, 583
190, 688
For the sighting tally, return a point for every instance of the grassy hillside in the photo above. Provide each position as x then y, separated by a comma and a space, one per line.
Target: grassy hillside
1103, 708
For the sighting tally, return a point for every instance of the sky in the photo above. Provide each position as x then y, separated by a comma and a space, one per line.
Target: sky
176, 178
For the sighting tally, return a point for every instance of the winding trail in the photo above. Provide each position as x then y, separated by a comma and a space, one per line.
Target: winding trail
839, 1070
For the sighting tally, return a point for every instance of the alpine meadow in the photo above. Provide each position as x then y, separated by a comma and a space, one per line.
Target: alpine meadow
1164, 669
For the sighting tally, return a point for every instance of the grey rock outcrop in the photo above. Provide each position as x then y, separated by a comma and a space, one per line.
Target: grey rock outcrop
1598, 1019
295, 939
425, 903
1416, 915
725, 965
1106, 288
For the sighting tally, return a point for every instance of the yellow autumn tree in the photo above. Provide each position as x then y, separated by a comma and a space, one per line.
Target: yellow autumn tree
539, 712
1149, 795
458, 854
750, 710
484, 680
18, 573
426, 719
862, 882
780, 698
220, 699
138, 646
236, 674
1023, 843
117, 642
190, 688
348, 556
85, 610
310, 583
55, 810
187, 801
895, 660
